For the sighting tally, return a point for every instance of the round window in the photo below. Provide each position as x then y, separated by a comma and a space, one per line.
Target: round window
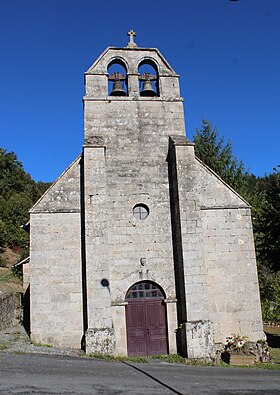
141, 211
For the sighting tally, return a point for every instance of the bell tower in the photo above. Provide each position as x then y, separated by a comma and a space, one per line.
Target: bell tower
131, 107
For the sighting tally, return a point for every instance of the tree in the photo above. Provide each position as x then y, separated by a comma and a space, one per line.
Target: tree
268, 226
270, 293
18, 192
212, 150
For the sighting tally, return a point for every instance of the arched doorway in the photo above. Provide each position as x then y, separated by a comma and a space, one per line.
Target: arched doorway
146, 326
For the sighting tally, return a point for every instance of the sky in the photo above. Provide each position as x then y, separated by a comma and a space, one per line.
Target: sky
226, 52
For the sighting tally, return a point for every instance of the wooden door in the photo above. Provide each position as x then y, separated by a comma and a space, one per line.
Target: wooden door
146, 320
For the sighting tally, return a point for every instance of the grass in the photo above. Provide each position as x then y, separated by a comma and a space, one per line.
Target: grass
272, 330
273, 339
267, 366
39, 344
9, 283
6, 275
119, 358
172, 358
275, 353
4, 346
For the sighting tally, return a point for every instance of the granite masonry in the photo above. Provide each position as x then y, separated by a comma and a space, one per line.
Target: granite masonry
138, 247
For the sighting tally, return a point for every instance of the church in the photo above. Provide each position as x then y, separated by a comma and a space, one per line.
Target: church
139, 248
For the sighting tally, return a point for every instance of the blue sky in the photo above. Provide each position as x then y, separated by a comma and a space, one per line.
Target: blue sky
227, 54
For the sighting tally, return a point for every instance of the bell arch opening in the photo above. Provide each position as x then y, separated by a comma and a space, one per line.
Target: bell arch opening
117, 78
148, 78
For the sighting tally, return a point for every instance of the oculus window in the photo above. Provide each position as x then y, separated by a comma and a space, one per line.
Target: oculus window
141, 211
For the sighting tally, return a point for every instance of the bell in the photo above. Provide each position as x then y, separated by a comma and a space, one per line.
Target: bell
117, 84
118, 89
147, 89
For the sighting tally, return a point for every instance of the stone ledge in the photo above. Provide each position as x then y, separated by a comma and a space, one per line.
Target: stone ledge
170, 300
113, 304
130, 98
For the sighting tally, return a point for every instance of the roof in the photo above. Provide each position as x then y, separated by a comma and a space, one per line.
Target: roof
22, 262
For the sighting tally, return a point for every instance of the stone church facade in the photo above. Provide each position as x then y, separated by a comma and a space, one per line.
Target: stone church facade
139, 248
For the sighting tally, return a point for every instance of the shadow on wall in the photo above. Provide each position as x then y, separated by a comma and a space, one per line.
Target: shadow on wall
26, 310
105, 283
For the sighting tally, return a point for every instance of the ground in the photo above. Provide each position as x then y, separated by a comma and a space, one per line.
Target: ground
53, 374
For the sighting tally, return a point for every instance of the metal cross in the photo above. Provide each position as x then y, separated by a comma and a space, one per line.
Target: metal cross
131, 35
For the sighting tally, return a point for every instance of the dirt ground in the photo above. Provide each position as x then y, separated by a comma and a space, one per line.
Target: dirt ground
10, 256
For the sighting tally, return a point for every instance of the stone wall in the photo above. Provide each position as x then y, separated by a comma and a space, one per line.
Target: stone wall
56, 294
219, 260
10, 310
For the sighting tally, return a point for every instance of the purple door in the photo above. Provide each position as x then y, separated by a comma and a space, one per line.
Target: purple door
146, 320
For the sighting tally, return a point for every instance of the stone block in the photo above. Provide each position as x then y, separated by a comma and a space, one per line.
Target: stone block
100, 341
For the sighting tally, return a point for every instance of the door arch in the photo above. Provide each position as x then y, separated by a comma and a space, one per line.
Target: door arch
146, 325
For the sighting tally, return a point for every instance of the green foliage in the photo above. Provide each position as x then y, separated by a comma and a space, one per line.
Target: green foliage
212, 150
270, 293
17, 271
2, 262
3, 231
268, 226
18, 192
266, 214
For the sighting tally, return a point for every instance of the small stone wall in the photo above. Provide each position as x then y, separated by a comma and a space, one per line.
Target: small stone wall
200, 339
100, 341
10, 310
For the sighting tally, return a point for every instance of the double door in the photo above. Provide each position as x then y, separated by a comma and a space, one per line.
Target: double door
146, 325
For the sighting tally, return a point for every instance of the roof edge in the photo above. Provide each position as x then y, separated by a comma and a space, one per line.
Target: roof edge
53, 184
219, 178
129, 49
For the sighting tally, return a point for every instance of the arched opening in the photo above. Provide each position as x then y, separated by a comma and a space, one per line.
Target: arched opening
146, 324
117, 78
148, 78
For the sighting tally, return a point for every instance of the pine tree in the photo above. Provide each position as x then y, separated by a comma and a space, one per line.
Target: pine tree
18, 192
211, 149
269, 224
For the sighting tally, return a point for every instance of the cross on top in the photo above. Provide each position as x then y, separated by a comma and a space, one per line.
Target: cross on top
131, 35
